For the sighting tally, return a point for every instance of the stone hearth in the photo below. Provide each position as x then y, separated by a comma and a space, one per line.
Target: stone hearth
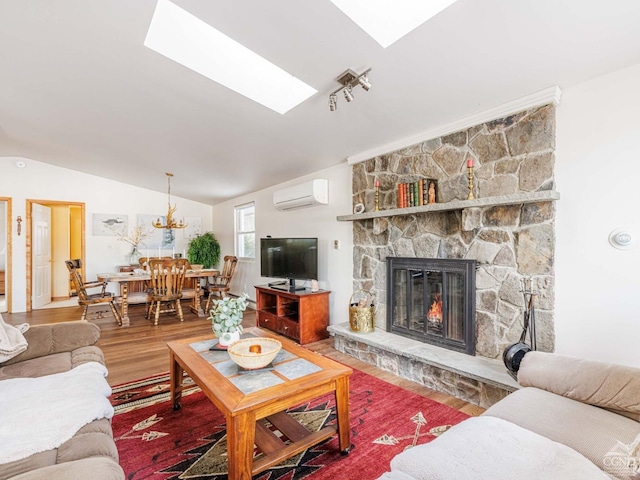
478, 380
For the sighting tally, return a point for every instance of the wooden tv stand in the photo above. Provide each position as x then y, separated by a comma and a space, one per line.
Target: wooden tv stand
301, 315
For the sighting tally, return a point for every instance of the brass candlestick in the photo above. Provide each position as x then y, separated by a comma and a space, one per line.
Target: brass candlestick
377, 209
470, 170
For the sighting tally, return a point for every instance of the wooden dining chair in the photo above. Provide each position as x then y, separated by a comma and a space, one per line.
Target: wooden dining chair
85, 299
143, 262
167, 280
189, 290
220, 284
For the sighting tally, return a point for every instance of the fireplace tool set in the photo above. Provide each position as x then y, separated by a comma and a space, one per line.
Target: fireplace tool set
514, 353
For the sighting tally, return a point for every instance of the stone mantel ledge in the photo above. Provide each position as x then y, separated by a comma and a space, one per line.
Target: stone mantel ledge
485, 370
516, 199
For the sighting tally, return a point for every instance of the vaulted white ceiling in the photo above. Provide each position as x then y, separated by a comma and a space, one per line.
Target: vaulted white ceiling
79, 89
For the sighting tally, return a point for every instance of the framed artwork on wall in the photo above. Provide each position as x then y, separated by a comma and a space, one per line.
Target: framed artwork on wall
193, 228
109, 224
160, 237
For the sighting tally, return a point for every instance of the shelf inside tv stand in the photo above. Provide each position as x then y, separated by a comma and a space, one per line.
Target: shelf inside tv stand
301, 315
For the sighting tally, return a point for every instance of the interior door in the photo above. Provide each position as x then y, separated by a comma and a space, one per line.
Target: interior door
41, 255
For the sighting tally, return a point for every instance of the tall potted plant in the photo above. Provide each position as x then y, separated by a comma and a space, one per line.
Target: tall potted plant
204, 250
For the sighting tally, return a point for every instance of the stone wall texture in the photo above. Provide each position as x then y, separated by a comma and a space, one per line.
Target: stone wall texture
512, 155
458, 385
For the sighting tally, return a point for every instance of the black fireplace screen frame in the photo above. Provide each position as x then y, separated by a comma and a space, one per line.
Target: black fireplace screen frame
422, 267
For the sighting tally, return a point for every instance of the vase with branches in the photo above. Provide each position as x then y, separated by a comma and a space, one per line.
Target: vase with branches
136, 238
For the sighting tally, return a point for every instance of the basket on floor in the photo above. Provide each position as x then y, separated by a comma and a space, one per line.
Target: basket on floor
361, 312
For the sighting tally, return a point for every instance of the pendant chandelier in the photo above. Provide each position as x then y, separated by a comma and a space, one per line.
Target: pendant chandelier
170, 223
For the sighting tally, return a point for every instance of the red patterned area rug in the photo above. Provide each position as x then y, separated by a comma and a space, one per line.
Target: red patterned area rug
154, 441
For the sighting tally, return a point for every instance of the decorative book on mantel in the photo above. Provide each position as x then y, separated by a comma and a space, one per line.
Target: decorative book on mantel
418, 193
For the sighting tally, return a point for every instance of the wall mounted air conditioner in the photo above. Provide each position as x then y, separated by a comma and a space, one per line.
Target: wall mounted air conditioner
307, 194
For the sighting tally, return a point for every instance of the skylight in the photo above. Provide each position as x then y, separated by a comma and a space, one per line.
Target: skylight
184, 38
389, 20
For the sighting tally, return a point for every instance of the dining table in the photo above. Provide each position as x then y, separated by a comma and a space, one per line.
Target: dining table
125, 280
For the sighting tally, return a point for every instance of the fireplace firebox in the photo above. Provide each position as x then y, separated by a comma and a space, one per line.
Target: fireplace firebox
433, 300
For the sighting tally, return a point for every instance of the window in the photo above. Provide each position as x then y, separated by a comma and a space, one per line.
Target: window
389, 20
184, 38
246, 231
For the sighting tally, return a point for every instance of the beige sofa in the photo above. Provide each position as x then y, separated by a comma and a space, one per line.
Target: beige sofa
91, 452
572, 419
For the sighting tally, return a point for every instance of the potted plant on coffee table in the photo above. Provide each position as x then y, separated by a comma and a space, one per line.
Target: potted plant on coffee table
226, 319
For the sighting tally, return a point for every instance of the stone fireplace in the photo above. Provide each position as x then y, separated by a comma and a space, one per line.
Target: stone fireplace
507, 230
433, 301
510, 241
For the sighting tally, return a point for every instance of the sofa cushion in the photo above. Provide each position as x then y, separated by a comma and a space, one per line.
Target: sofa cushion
594, 432
95, 468
490, 448
614, 387
93, 440
34, 462
54, 363
55, 338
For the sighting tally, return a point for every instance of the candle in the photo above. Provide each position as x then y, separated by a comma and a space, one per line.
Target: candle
184, 254
377, 183
470, 163
173, 252
159, 252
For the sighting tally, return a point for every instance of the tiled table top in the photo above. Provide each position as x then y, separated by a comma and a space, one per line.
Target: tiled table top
286, 365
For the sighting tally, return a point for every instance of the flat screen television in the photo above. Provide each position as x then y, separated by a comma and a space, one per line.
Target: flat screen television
289, 258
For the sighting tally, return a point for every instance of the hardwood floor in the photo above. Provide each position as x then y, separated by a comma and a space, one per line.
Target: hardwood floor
140, 350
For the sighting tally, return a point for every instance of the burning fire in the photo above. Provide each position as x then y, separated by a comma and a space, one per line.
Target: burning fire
435, 312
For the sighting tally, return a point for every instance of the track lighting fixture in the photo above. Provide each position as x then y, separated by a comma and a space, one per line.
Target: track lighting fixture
348, 80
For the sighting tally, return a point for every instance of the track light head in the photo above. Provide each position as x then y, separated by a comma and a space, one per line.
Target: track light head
348, 95
333, 102
363, 80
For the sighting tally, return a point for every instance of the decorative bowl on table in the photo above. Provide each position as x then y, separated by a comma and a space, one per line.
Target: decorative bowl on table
254, 353
196, 266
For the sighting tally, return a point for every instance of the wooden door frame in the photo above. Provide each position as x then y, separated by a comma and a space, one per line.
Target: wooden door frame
8, 284
29, 239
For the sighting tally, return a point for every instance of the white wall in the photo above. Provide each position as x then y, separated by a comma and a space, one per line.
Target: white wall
47, 182
334, 266
598, 171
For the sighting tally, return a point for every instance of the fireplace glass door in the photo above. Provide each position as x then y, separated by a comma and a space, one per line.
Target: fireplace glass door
433, 300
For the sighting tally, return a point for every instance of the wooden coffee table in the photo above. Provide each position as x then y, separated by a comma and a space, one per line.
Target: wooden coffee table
298, 375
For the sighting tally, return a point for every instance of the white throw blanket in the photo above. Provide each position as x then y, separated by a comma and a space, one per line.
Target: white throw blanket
39, 414
489, 448
12, 341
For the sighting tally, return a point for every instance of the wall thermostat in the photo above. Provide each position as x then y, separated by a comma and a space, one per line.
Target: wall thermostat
622, 238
